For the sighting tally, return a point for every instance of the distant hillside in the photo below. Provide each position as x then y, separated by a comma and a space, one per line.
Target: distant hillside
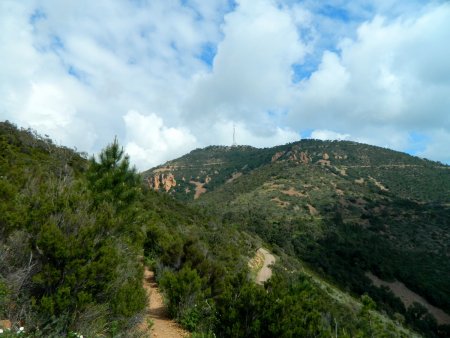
350, 211
404, 175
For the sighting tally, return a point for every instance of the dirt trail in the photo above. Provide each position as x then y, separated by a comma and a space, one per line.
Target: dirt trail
266, 272
162, 326
408, 297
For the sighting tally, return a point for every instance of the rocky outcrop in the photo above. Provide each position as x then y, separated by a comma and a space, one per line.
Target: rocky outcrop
199, 189
299, 156
295, 154
325, 161
304, 157
277, 155
163, 181
169, 182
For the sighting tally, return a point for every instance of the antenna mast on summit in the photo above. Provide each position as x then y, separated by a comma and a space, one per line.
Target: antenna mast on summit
234, 136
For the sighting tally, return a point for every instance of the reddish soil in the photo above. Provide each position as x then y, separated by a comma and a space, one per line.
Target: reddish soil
199, 190
157, 314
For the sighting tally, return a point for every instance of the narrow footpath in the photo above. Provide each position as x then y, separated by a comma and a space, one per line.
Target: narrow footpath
266, 272
157, 322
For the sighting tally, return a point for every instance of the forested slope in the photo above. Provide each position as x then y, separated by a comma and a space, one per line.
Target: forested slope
70, 235
348, 210
73, 232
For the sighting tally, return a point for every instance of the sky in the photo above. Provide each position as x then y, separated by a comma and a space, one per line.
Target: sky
169, 76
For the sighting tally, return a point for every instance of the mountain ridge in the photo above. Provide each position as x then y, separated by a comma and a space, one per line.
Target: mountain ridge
341, 157
341, 207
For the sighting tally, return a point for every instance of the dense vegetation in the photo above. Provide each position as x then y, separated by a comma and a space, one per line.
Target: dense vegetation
202, 268
368, 209
72, 234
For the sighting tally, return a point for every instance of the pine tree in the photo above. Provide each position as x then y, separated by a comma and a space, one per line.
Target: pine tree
112, 179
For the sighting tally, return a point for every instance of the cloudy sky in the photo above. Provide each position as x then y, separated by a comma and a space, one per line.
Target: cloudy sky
168, 76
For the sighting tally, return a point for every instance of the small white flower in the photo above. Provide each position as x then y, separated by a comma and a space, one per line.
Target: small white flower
21, 329
1, 330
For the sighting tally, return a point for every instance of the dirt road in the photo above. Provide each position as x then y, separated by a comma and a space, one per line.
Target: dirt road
163, 326
266, 272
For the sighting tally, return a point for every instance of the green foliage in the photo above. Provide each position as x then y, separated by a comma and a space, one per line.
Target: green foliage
4, 292
72, 231
70, 237
112, 179
183, 288
129, 298
419, 317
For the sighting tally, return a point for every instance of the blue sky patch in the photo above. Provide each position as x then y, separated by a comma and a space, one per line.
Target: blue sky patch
232, 5
208, 52
193, 7
77, 74
37, 15
417, 143
56, 43
335, 13
306, 133
303, 71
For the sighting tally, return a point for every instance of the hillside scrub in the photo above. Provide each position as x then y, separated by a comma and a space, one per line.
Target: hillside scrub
72, 231
343, 208
68, 249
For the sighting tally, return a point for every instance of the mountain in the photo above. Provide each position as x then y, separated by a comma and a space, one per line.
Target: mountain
75, 233
421, 179
367, 219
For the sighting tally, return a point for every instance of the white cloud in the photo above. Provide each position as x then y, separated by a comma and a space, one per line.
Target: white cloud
394, 76
324, 134
222, 132
49, 110
149, 140
252, 69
